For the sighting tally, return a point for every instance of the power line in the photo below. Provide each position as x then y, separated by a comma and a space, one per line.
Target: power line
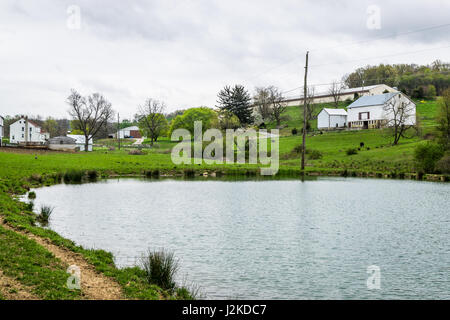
355, 43
372, 79
378, 57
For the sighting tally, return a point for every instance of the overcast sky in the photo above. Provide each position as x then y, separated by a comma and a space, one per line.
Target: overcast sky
184, 52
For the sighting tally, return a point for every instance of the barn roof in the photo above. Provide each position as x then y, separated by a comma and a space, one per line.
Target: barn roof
335, 112
376, 100
62, 140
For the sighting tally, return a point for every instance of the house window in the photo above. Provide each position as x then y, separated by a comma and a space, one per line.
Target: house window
31, 128
23, 136
23, 128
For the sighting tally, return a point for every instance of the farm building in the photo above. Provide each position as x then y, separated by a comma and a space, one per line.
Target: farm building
81, 141
130, 132
351, 93
62, 144
377, 111
2, 121
331, 119
25, 131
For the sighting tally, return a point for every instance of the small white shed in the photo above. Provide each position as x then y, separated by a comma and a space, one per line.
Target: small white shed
329, 119
80, 141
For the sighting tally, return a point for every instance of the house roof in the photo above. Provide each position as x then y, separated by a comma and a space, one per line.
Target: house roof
133, 128
376, 100
364, 89
335, 112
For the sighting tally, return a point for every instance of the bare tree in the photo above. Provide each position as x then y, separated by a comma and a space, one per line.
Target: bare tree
262, 102
335, 91
91, 114
277, 103
400, 116
152, 120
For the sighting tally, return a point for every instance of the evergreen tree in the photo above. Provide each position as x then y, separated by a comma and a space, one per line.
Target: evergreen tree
236, 100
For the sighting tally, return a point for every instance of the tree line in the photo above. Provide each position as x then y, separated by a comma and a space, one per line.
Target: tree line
417, 81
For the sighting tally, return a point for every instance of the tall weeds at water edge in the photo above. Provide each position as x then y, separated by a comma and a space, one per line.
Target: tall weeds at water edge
92, 175
31, 195
73, 176
160, 268
46, 212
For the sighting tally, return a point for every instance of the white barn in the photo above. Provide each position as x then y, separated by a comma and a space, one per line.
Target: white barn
130, 132
331, 119
370, 112
80, 141
27, 132
2, 121
350, 93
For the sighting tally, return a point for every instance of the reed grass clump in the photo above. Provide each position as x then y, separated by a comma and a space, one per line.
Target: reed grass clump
92, 175
44, 215
160, 268
74, 176
32, 195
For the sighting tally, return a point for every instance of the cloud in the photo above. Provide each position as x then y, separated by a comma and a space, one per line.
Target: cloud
184, 52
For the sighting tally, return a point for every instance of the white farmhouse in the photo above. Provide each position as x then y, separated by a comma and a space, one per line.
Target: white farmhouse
2, 121
25, 131
331, 119
80, 141
376, 111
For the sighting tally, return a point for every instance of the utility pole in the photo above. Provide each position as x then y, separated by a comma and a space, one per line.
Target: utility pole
118, 128
305, 105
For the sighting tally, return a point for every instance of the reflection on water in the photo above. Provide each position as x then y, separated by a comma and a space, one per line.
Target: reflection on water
271, 239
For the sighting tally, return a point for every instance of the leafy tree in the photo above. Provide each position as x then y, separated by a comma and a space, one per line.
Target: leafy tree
227, 120
444, 119
236, 100
427, 155
207, 116
152, 121
51, 126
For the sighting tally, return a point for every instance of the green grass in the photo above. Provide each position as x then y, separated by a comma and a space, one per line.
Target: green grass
33, 266
20, 171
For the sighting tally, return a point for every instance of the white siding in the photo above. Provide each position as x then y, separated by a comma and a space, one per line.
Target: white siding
18, 130
81, 141
326, 121
378, 112
375, 113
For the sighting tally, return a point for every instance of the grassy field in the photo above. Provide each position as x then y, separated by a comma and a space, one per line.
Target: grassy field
43, 274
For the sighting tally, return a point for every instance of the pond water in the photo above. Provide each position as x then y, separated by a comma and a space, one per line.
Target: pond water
275, 239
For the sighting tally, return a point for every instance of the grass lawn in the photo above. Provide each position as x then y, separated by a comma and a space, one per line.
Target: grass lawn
35, 268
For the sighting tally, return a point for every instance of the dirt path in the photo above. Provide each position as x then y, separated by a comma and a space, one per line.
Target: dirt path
11, 289
94, 285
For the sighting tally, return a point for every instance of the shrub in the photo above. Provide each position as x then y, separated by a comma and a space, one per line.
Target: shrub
75, 176
294, 131
92, 174
31, 195
46, 212
314, 154
443, 165
351, 151
426, 156
136, 152
160, 268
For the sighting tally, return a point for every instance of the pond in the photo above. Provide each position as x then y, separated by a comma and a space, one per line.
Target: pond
274, 239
